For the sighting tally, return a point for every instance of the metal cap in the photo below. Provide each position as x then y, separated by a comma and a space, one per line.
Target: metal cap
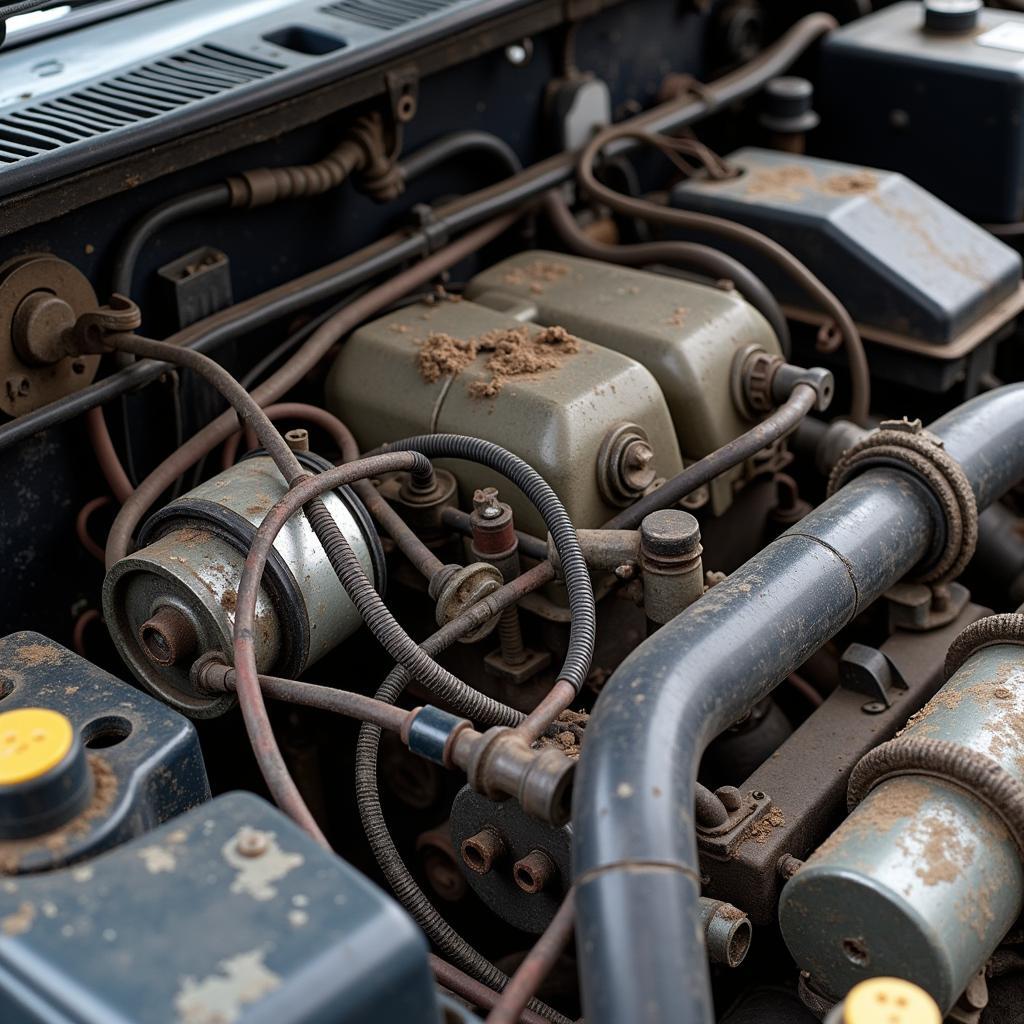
789, 106
951, 15
669, 533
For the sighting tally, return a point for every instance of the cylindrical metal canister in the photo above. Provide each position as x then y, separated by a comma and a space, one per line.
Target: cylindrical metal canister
925, 877
174, 598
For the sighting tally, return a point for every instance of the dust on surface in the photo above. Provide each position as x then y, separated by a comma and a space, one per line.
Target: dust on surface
851, 183
944, 852
257, 875
761, 830
536, 275
513, 352
57, 842
567, 733
20, 921
33, 655
791, 182
788, 182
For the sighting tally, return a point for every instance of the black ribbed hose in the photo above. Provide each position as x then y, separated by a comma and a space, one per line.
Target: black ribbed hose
441, 934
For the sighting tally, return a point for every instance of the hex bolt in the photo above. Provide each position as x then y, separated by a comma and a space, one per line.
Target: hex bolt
168, 637
482, 851
534, 872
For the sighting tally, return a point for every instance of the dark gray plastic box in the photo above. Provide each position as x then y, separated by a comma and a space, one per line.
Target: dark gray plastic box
946, 109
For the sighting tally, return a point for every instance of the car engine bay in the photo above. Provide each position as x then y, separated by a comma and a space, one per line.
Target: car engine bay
514, 512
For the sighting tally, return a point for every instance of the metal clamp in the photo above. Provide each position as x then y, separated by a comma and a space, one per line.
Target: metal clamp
988, 632
970, 770
905, 445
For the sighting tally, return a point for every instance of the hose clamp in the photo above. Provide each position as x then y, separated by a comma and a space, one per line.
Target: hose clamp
967, 769
988, 632
905, 445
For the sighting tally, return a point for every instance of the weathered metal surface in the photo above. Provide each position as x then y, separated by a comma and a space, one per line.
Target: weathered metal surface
513, 837
812, 802
144, 757
925, 877
686, 334
191, 560
556, 419
229, 914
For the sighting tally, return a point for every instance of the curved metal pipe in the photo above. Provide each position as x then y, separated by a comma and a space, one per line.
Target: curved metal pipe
636, 868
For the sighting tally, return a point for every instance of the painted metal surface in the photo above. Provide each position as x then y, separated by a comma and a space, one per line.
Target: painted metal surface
226, 914
144, 757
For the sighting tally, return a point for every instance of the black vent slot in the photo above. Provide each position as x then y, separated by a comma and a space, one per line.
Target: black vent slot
385, 14
127, 98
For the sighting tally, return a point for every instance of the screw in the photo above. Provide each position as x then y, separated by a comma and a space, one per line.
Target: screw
638, 470
874, 707
757, 795
252, 843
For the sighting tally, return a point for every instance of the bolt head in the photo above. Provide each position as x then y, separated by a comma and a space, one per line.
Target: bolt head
251, 843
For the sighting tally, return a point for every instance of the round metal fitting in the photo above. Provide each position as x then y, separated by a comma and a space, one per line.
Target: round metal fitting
789, 106
463, 588
753, 371
41, 297
174, 599
669, 534
626, 465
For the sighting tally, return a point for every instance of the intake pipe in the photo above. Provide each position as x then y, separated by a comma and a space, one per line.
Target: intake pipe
635, 857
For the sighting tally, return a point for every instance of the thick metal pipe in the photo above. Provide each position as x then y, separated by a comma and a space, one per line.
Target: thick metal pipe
635, 851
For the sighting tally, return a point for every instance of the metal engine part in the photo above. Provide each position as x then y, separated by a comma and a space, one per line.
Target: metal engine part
925, 877
430, 368
311, 939
174, 598
122, 746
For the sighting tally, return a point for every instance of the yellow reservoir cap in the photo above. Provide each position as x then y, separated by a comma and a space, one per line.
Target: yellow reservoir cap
890, 1001
32, 742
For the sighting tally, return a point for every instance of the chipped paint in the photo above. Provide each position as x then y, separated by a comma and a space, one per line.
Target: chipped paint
158, 860
220, 998
257, 874
20, 921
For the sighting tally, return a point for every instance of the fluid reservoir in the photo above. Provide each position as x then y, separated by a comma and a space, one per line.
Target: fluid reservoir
924, 878
174, 598
594, 423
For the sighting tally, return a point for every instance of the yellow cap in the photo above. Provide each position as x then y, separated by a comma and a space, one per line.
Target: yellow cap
32, 741
890, 1001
